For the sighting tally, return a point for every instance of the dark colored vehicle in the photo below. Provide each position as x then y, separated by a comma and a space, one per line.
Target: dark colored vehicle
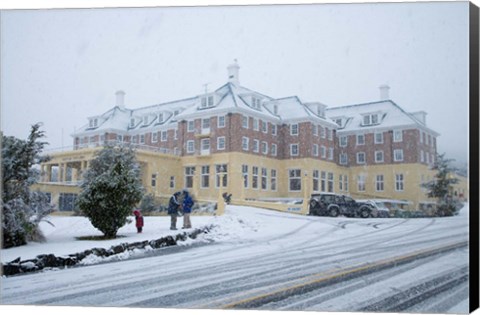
334, 205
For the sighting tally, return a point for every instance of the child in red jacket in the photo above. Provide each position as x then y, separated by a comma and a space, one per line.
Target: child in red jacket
138, 221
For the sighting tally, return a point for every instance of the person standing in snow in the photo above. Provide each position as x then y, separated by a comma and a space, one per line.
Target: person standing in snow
138, 221
173, 206
187, 209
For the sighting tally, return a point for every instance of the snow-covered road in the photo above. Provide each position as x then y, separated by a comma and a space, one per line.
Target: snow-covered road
257, 252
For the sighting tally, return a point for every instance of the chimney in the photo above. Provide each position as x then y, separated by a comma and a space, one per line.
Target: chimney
384, 92
120, 99
233, 70
420, 116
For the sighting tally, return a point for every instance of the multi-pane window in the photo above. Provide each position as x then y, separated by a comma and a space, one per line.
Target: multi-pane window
154, 180
315, 150
245, 143
330, 134
207, 101
256, 145
361, 158
221, 143
274, 130
379, 183
119, 138
295, 180
190, 146
172, 181
264, 147
255, 177
245, 175
323, 151
189, 173
422, 156
245, 122
361, 182
221, 177
323, 181
343, 159
322, 132
345, 182
221, 122
398, 155
93, 123
206, 124
316, 180
264, 178
378, 137
255, 124
399, 182
163, 136
361, 139
142, 139
205, 145
330, 182
294, 129
273, 180
274, 149
340, 182
134, 139
160, 117
154, 137
294, 149
330, 153
264, 126
205, 176
191, 126
256, 102
315, 130
397, 135
371, 119
132, 122
379, 157
343, 141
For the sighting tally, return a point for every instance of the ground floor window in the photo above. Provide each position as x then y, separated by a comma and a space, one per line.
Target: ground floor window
273, 180
189, 172
221, 177
154, 180
379, 185
172, 181
254, 177
399, 182
315, 180
245, 175
323, 181
205, 176
66, 202
361, 182
330, 182
295, 180
264, 178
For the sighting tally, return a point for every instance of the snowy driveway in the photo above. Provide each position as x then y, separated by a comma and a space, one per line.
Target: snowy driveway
257, 252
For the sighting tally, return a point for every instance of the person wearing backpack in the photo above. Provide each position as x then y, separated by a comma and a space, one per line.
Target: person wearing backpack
187, 209
173, 207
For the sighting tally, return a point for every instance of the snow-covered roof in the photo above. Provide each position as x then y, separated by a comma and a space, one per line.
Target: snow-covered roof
388, 115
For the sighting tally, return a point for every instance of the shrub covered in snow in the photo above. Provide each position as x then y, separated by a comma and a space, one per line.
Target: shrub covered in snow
111, 189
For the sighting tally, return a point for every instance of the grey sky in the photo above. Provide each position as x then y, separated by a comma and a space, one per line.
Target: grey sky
62, 66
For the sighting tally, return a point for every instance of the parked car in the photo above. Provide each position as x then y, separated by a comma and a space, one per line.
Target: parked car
381, 209
333, 205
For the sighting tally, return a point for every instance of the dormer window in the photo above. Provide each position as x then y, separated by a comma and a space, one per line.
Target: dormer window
370, 119
132, 122
321, 111
256, 102
339, 121
145, 120
176, 112
93, 123
207, 101
161, 118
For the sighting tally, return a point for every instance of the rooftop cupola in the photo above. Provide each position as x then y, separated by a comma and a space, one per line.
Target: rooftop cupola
233, 73
120, 99
384, 92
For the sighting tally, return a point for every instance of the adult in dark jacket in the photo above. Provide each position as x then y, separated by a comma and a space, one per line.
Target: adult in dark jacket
173, 207
187, 209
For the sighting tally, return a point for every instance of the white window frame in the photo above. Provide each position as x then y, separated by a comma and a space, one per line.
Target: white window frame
361, 158
343, 141
360, 139
378, 137
245, 143
264, 147
190, 146
330, 153
264, 179
399, 182
294, 129
205, 176
154, 137
221, 121
274, 149
256, 145
142, 139
256, 124
377, 160
400, 157
220, 140
379, 183
316, 180
274, 129
245, 175
191, 126
295, 175
293, 151
343, 158
273, 180
323, 152
264, 126
314, 130
245, 120
370, 119
397, 135
160, 118
361, 183
164, 136
255, 177
315, 150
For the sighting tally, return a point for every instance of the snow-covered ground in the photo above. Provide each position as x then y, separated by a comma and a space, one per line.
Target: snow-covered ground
246, 241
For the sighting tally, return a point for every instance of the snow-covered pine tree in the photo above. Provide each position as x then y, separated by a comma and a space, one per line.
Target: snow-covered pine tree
441, 186
110, 189
22, 209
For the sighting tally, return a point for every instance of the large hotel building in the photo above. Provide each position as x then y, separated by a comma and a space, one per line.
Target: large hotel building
257, 147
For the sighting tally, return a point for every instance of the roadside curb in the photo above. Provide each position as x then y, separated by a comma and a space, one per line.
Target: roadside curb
18, 266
